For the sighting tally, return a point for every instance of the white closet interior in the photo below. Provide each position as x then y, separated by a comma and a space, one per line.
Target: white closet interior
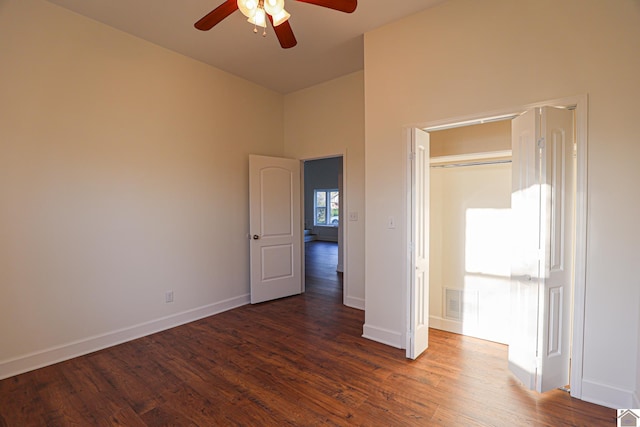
470, 203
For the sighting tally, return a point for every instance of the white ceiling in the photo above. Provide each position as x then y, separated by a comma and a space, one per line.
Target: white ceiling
330, 43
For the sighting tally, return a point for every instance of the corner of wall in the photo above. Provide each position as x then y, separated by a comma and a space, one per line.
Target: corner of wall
384, 336
353, 302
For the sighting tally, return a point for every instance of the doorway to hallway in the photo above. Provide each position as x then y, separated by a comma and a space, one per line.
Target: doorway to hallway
323, 218
321, 276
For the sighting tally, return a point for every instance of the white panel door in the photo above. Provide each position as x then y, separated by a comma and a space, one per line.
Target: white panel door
418, 332
542, 209
525, 211
275, 228
557, 236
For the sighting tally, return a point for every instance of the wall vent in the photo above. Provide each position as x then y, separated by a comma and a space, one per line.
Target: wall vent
453, 304
461, 305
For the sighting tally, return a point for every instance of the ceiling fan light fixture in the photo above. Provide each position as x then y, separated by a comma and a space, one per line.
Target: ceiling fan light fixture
259, 18
257, 12
280, 17
248, 7
273, 7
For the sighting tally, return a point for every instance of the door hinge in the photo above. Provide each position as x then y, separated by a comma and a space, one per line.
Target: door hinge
412, 156
541, 143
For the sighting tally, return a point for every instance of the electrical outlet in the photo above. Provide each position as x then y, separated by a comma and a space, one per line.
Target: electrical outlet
168, 296
391, 222
353, 216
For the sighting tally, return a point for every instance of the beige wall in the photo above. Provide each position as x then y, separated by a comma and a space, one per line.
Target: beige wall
494, 136
123, 174
464, 58
326, 120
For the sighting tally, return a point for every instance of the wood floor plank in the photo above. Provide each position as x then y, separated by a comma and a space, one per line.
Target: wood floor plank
298, 361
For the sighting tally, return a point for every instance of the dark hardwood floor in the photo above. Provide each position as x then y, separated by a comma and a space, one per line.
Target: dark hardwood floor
297, 361
321, 260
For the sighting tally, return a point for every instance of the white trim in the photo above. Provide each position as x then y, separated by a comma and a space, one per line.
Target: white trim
580, 102
471, 122
522, 375
354, 302
606, 395
505, 113
636, 399
580, 261
446, 324
303, 271
384, 336
458, 327
344, 223
407, 237
470, 156
39, 359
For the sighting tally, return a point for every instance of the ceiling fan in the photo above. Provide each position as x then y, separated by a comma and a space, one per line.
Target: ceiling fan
259, 11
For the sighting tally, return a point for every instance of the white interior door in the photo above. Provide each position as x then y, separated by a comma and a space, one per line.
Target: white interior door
557, 236
542, 207
418, 332
525, 211
275, 227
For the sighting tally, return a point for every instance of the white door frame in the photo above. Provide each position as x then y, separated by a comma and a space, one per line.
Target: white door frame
580, 104
344, 221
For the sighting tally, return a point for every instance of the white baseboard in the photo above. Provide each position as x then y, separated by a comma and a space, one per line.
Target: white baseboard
445, 324
471, 330
608, 396
523, 375
354, 302
29, 362
384, 336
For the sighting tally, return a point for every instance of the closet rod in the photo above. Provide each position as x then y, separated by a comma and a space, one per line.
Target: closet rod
458, 165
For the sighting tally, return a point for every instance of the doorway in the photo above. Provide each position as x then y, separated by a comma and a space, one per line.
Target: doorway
323, 202
578, 105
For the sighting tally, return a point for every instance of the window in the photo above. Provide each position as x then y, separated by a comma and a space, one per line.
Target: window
326, 207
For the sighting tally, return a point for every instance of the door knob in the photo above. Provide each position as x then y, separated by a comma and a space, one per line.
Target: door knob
256, 237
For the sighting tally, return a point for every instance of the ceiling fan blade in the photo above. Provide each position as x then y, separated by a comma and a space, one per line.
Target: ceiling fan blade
216, 15
285, 34
346, 6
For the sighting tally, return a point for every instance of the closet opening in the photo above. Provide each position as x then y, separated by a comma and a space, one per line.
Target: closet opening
498, 208
470, 207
